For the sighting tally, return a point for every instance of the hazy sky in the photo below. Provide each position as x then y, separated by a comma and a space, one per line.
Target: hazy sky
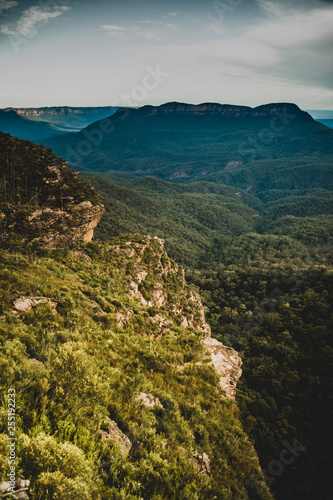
135, 52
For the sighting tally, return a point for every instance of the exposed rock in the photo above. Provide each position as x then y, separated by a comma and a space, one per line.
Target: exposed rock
161, 321
159, 282
61, 227
82, 256
25, 304
111, 431
148, 400
49, 203
153, 281
227, 364
202, 463
123, 319
20, 489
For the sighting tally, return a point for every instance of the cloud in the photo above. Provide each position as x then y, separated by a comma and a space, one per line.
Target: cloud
7, 5
151, 35
171, 14
156, 21
114, 30
32, 19
294, 30
291, 46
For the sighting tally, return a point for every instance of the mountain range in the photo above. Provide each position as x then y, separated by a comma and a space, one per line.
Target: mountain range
235, 145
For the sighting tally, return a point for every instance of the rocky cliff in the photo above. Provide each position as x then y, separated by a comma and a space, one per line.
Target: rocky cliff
225, 110
40, 198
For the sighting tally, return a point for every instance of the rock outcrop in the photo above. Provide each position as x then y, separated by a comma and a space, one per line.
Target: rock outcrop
159, 282
227, 364
61, 227
41, 199
202, 463
17, 492
111, 431
148, 400
25, 304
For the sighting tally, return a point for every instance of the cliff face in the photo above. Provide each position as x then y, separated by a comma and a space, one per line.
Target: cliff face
64, 227
159, 282
225, 110
42, 199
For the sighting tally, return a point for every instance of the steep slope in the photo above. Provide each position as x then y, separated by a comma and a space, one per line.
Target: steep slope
182, 142
22, 127
116, 393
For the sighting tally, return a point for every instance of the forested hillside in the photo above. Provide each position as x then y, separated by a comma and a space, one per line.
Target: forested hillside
235, 145
264, 269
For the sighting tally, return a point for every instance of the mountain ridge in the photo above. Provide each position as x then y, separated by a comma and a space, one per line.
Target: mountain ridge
184, 142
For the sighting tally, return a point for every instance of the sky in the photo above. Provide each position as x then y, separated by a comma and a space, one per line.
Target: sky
137, 52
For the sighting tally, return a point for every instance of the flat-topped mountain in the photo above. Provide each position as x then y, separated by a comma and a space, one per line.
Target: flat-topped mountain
225, 110
184, 142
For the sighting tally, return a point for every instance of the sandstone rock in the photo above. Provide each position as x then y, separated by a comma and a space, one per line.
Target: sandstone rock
60, 227
161, 321
111, 431
82, 256
227, 364
148, 400
123, 319
202, 463
188, 306
65, 209
20, 492
25, 304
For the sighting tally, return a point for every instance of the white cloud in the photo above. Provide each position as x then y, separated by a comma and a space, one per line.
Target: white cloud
150, 35
32, 19
293, 45
162, 23
171, 14
7, 5
122, 31
295, 28
114, 30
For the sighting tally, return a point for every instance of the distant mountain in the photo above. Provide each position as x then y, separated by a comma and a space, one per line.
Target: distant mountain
320, 114
184, 142
36, 124
24, 128
328, 122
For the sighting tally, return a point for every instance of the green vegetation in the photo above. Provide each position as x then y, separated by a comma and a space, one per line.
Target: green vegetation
267, 288
271, 300
75, 367
258, 250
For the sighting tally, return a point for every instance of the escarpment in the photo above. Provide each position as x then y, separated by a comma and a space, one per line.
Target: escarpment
40, 198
